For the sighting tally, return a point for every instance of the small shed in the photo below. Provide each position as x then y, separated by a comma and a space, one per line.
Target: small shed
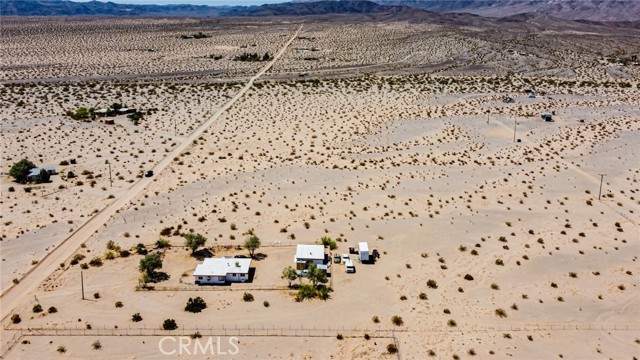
109, 121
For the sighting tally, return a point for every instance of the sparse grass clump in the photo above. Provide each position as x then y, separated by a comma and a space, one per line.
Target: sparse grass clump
397, 320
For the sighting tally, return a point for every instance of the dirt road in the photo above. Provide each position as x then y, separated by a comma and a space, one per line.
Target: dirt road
16, 295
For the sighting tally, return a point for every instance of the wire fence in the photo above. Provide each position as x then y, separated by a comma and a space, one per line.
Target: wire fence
303, 331
19, 332
234, 287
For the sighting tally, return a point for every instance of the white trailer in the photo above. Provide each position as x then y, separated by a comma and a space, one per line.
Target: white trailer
363, 250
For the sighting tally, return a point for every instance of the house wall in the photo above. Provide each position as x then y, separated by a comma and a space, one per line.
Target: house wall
236, 277
302, 264
209, 279
231, 277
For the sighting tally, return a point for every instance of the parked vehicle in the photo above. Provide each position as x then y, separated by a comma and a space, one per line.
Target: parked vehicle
345, 258
336, 259
149, 173
349, 267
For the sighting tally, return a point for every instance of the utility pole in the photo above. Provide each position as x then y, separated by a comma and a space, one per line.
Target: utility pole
600, 192
515, 122
82, 283
110, 179
487, 118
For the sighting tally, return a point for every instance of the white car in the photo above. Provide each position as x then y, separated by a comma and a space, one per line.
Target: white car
345, 258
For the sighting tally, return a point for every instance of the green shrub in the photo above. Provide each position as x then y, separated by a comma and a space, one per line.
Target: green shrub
195, 305
169, 324
247, 297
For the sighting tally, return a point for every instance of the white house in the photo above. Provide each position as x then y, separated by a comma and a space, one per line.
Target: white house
222, 270
309, 254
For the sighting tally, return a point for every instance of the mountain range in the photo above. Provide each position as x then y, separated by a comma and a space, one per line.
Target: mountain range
594, 10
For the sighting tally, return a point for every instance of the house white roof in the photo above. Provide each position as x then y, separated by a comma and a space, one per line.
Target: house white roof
363, 246
222, 267
310, 252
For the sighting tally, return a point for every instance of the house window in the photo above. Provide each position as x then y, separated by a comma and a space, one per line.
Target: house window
199, 277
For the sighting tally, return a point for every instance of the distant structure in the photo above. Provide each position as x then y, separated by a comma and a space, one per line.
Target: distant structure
35, 172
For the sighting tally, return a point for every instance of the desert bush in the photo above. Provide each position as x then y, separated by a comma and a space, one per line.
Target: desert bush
15, 319
96, 261
328, 242
37, 308
397, 320
52, 310
375, 319
247, 297
61, 349
452, 323
136, 317
97, 345
432, 284
169, 324
195, 305
163, 243
392, 348
501, 313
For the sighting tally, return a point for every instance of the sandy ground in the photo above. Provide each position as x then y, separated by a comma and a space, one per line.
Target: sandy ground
422, 166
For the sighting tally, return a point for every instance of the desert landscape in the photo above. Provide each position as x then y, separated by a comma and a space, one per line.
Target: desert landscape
501, 235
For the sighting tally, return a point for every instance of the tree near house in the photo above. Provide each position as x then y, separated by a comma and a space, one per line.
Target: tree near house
20, 170
315, 275
289, 274
43, 176
150, 263
252, 243
193, 241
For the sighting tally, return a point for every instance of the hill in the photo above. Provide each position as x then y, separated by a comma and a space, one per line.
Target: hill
595, 10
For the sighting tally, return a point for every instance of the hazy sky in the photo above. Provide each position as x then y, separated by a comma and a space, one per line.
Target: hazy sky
197, 2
